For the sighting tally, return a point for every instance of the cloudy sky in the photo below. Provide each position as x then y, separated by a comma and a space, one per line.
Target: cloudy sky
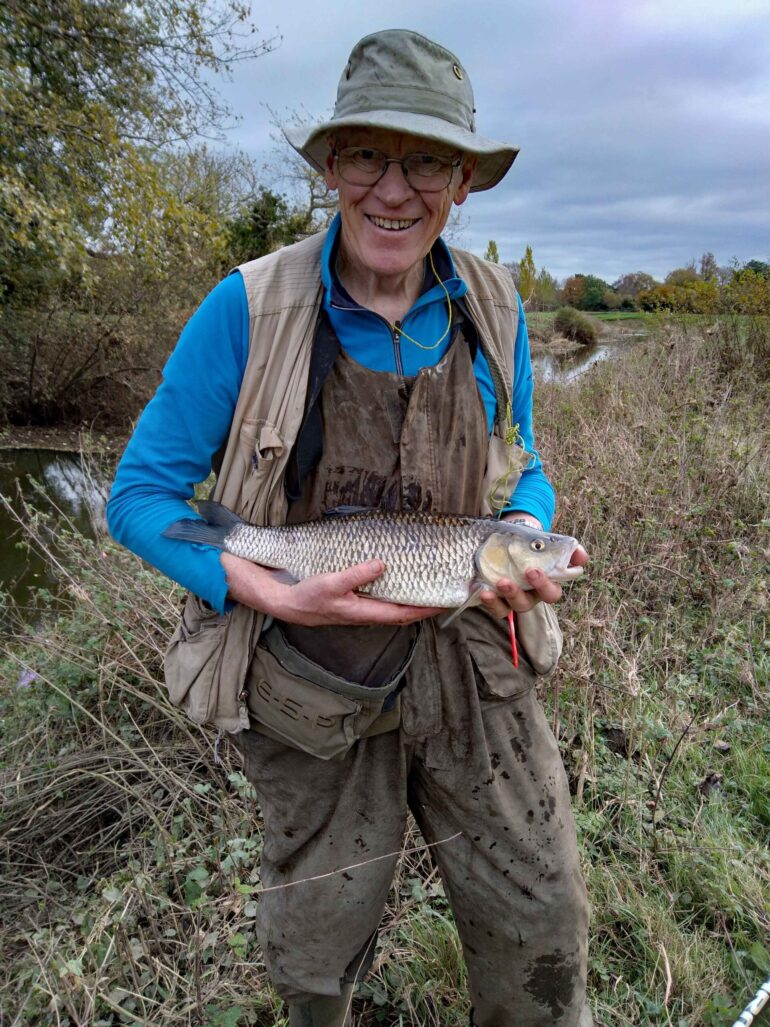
644, 126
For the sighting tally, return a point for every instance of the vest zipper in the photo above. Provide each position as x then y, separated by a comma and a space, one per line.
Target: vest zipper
397, 348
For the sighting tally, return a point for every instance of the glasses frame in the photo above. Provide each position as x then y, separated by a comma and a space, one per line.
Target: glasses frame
451, 163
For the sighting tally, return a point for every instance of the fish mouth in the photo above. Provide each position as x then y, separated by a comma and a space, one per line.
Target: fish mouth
562, 570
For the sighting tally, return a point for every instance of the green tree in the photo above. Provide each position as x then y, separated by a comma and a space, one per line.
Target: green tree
91, 91
492, 253
266, 225
545, 296
527, 277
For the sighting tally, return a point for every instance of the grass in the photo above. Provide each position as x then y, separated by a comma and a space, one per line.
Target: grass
131, 857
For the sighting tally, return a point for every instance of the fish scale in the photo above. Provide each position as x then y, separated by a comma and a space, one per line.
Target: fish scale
430, 559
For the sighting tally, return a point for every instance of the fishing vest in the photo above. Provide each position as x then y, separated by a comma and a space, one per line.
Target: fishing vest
209, 655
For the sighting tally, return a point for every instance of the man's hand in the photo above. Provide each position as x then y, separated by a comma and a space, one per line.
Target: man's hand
324, 599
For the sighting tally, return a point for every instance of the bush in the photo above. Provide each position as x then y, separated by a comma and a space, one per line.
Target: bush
574, 325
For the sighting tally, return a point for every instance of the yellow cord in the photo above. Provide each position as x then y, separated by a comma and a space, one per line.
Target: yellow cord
401, 331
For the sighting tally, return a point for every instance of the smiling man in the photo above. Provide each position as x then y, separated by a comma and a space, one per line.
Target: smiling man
373, 366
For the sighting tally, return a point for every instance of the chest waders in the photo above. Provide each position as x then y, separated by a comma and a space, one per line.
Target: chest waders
453, 732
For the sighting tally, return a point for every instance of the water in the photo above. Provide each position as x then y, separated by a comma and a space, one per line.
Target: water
566, 367
67, 486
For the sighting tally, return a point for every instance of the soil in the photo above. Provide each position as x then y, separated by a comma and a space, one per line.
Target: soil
62, 439
557, 346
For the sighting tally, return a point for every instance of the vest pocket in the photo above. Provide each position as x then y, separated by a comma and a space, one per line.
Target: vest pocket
293, 709
192, 659
262, 448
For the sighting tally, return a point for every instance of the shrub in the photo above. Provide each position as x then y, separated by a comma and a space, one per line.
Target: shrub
574, 325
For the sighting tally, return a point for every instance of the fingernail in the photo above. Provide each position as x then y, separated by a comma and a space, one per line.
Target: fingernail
533, 577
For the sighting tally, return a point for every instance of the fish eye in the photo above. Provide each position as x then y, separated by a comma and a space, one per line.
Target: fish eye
537, 544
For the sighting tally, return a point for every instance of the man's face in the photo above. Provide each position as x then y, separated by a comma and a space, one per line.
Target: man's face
389, 227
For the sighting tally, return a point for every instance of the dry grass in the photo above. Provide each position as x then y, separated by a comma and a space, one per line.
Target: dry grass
131, 856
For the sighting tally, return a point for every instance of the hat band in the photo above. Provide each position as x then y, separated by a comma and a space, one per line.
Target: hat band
411, 100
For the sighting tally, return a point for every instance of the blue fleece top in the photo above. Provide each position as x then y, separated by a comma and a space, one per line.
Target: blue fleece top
189, 417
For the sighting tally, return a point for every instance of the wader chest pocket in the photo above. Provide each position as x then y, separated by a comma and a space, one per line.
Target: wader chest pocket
325, 720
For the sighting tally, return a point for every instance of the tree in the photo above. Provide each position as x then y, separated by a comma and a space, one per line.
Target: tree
759, 267
545, 296
709, 269
527, 277
682, 275
266, 225
633, 283
91, 91
492, 253
572, 291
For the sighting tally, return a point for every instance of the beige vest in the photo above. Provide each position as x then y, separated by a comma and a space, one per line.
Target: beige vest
208, 657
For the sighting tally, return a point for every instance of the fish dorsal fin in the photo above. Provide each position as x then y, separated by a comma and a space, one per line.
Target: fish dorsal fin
348, 511
217, 514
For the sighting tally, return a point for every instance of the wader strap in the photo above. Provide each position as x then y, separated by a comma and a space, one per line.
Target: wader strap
293, 661
308, 448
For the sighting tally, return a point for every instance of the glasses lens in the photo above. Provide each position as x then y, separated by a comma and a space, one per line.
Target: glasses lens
427, 172
361, 165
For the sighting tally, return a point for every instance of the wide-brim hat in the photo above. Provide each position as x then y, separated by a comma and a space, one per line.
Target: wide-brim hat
401, 81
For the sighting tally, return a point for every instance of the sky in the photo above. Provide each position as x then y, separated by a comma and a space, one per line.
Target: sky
644, 125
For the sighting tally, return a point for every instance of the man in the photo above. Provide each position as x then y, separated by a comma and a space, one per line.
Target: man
373, 366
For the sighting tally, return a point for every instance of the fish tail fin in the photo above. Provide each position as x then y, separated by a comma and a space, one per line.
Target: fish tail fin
189, 530
218, 515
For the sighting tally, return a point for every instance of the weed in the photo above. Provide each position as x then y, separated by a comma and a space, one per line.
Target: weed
131, 857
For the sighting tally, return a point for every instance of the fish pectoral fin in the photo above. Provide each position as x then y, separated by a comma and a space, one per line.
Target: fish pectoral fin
282, 576
474, 599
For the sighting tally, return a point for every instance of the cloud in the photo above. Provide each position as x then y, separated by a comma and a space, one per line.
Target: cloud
644, 128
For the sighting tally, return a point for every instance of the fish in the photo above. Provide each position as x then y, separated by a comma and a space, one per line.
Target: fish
439, 560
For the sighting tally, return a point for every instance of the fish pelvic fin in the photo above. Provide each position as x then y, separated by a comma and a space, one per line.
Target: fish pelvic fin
189, 530
474, 599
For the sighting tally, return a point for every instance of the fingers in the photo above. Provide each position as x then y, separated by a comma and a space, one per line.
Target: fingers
579, 558
341, 582
510, 596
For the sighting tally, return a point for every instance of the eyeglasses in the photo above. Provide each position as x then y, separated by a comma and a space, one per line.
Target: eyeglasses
361, 165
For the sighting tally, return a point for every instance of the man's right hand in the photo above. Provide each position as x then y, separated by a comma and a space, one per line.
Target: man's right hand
324, 599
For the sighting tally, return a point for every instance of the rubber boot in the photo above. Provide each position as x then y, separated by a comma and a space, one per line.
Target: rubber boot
324, 1011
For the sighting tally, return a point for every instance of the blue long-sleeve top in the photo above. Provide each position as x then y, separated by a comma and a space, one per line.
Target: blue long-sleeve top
189, 417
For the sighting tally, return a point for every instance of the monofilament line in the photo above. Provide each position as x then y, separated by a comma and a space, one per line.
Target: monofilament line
356, 866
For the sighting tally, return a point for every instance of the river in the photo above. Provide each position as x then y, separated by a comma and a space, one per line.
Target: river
77, 491
69, 488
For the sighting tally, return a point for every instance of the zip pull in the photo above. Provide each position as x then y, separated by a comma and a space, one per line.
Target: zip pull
397, 347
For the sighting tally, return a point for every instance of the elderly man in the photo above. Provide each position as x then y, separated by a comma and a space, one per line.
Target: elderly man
374, 366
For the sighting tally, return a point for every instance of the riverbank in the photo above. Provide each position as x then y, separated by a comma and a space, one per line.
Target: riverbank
133, 855
62, 439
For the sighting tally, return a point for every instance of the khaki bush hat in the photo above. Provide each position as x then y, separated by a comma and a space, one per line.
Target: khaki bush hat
401, 81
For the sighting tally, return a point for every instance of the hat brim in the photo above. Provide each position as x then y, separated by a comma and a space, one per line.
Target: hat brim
494, 158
